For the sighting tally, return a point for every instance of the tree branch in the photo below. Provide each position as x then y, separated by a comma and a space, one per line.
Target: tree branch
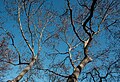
74, 76
53, 72
25, 70
19, 57
89, 18
72, 22
23, 35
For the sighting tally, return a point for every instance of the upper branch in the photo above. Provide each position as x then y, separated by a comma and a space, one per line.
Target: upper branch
89, 18
24, 71
29, 29
72, 22
23, 35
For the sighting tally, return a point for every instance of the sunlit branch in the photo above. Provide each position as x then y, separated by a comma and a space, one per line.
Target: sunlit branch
74, 76
70, 58
75, 46
23, 35
78, 59
69, 52
24, 71
36, 30
98, 29
87, 59
41, 33
39, 41
28, 23
27, 68
87, 42
39, 38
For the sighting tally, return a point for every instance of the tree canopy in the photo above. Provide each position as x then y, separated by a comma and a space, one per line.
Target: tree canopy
60, 41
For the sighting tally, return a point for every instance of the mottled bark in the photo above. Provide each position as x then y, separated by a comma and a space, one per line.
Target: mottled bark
74, 76
24, 71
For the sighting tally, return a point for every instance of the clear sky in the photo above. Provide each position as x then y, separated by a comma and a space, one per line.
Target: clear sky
60, 7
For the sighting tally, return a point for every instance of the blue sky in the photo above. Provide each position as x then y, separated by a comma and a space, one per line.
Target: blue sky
59, 7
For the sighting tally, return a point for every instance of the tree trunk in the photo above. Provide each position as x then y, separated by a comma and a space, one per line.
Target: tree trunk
24, 71
74, 76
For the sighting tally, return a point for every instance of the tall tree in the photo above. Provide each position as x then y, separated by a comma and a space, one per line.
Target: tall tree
76, 41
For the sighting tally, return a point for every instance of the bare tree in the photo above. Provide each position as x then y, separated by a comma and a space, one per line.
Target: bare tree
78, 43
